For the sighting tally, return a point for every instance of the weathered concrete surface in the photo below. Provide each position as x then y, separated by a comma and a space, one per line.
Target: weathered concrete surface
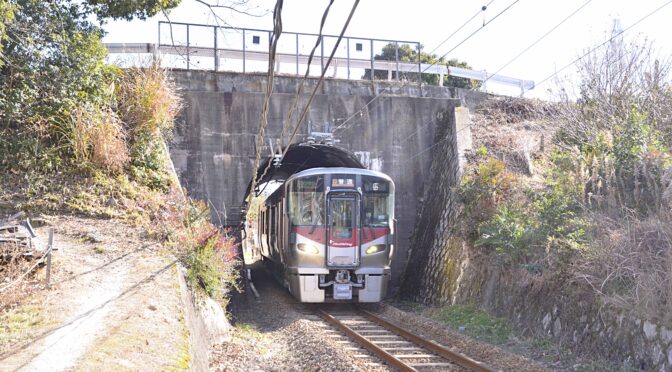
213, 147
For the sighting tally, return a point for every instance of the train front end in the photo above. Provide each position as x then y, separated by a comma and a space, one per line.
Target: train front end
341, 234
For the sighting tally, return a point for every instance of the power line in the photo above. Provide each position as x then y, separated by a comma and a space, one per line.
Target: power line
476, 31
305, 76
263, 123
604, 43
312, 96
319, 82
359, 112
538, 40
483, 8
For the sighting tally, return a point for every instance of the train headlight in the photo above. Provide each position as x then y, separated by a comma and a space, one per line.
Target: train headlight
375, 248
308, 248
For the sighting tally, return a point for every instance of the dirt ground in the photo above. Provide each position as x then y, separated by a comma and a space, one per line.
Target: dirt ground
114, 304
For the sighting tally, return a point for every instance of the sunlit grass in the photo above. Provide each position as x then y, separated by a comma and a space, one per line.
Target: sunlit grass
475, 322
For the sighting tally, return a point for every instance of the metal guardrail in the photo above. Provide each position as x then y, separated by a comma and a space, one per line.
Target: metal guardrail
226, 44
219, 48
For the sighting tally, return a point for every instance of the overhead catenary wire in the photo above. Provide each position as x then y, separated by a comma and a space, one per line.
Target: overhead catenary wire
310, 100
476, 31
538, 40
299, 91
605, 42
481, 10
377, 96
263, 121
319, 82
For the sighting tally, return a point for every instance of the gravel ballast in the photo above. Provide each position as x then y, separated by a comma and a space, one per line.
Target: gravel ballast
274, 333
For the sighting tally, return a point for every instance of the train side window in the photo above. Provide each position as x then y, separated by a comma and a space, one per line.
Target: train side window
306, 201
377, 202
262, 222
273, 220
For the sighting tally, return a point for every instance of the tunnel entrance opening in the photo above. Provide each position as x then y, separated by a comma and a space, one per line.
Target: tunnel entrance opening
300, 157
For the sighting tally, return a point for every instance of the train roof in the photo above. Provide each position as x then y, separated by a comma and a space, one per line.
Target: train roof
300, 157
340, 170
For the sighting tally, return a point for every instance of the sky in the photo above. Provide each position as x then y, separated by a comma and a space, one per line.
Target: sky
431, 22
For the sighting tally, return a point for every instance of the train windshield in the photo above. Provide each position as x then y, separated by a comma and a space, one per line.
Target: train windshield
378, 202
306, 201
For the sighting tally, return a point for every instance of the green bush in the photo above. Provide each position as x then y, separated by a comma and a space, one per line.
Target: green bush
484, 186
509, 231
212, 266
204, 271
148, 161
546, 223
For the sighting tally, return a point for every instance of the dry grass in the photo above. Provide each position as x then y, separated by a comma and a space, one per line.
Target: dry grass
630, 264
628, 255
513, 110
109, 145
13, 265
96, 135
515, 130
148, 99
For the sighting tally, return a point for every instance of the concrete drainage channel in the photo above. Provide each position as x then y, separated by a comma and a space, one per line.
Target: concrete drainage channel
206, 321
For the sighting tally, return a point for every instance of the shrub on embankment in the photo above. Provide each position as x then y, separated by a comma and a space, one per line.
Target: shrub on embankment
79, 135
596, 212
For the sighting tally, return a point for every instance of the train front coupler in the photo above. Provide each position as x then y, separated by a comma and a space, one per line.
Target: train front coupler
342, 285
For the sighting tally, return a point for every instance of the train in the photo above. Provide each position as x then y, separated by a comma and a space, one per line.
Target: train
327, 234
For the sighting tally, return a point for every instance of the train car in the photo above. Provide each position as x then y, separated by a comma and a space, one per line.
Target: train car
328, 234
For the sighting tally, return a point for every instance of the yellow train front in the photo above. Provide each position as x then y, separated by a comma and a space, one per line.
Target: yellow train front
328, 234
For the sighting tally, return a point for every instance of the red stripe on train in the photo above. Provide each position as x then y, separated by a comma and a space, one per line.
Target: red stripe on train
318, 234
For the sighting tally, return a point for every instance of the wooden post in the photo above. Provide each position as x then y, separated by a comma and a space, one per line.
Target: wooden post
49, 247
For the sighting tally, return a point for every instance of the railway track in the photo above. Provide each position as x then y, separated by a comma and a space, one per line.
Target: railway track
396, 346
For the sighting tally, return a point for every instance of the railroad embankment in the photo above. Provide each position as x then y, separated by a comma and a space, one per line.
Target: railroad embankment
559, 222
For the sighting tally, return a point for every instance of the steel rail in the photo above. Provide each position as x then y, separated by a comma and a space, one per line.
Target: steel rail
452, 356
368, 345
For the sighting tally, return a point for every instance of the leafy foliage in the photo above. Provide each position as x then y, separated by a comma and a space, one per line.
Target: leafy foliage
524, 226
486, 185
129, 9
148, 162
508, 231
6, 18
79, 135
208, 270
208, 253
405, 53
54, 62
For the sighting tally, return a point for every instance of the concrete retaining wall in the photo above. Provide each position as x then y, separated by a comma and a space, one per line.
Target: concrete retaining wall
213, 148
546, 305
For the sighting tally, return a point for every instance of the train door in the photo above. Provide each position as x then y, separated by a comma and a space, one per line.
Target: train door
343, 231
